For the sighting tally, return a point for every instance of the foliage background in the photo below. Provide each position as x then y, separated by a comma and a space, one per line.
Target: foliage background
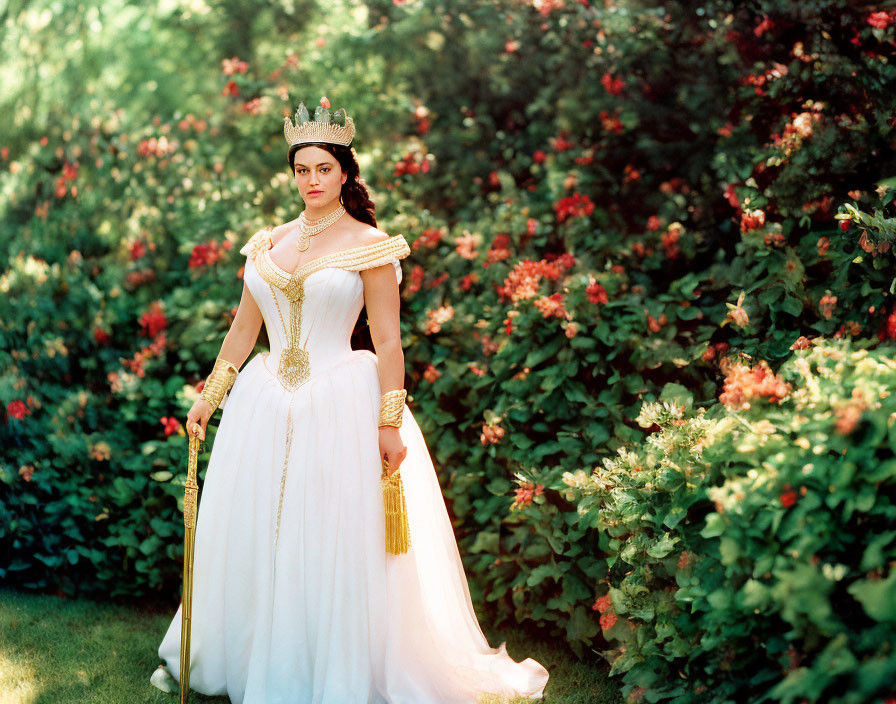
609, 204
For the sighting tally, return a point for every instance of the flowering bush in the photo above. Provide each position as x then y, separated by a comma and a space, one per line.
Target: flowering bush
750, 548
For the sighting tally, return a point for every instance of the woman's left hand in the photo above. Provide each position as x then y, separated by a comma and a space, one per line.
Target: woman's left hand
392, 448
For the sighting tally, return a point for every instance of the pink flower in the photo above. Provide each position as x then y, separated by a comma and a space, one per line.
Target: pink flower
436, 318
465, 246
552, 306
234, 65
743, 384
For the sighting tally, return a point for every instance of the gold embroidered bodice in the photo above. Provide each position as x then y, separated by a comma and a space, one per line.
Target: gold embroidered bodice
309, 314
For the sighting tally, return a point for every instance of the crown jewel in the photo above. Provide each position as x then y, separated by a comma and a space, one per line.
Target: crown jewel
337, 128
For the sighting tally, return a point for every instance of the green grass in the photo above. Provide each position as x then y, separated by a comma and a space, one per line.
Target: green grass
55, 650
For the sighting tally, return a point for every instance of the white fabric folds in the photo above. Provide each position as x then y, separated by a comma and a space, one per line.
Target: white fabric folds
317, 612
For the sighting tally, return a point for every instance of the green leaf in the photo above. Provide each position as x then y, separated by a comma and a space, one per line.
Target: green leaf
581, 626
663, 547
715, 526
877, 597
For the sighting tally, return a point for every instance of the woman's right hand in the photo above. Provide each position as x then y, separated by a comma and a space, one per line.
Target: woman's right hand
198, 417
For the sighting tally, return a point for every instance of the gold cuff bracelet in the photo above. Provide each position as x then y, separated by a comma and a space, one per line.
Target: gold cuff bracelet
392, 407
219, 382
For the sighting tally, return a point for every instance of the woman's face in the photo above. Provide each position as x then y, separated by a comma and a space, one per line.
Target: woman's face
319, 177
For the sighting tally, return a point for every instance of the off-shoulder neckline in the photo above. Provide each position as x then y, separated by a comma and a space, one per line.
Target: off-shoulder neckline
297, 272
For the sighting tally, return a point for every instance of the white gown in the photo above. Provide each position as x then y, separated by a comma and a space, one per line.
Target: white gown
295, 600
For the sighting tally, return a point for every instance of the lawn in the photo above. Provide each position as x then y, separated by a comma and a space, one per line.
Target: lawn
64, 651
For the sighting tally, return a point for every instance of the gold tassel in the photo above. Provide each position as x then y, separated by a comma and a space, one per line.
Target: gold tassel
398, 535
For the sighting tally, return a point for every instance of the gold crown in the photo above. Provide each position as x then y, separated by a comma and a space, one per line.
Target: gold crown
322, 128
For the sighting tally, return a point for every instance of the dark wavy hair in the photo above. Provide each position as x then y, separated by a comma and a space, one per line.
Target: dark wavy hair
354, 196
356, 200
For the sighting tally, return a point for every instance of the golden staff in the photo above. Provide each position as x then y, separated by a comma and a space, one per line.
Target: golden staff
191, 490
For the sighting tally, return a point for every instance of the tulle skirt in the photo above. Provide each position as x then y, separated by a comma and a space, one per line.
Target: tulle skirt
295, 600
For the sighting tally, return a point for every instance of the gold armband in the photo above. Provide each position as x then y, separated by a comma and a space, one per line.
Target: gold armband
392, 407
219, 382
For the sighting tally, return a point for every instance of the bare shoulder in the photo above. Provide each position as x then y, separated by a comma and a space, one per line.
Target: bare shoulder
280, 230
367, 234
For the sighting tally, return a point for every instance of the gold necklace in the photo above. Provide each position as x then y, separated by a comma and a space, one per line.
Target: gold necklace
309, 228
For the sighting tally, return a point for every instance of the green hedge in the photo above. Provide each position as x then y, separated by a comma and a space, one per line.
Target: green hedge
750, 547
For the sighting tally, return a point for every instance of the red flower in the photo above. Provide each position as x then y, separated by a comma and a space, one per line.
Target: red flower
596, 293
100, 335
205, 254
602, 604
172, 425
752, 220
763, 27
523, 281
889, 331
788, 496
153, 321
324, 103
880, 20
539, 156
613, 86
608, 620
138, 249
611, 123
576, 205
17, 409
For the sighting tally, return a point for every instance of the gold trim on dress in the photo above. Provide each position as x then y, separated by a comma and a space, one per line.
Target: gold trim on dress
294, 368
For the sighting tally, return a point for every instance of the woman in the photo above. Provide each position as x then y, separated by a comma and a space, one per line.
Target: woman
295, 599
